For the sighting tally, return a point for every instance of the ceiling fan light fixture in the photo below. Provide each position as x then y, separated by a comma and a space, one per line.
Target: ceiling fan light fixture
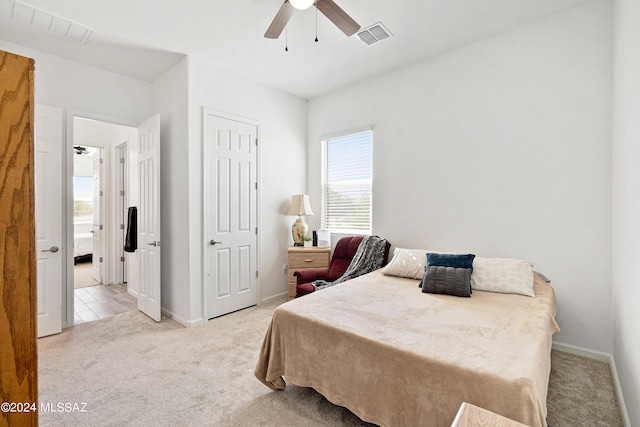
302, 4
328, 8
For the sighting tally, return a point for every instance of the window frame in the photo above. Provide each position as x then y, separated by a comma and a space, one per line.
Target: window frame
325, 141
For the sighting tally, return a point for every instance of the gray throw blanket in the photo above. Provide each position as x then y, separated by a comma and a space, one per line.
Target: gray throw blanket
368, 257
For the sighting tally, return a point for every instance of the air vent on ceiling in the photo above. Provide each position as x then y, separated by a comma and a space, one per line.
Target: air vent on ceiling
42, 20
374, 33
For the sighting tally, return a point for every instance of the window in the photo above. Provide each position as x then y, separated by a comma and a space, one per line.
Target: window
83, 197
346, 183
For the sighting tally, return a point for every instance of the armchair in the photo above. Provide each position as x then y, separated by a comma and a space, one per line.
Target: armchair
343, 253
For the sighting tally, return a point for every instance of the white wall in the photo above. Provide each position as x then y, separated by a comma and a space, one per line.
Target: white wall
75, 87
500, 148
282, 156
82, 165
71, 85
626, 202
171, 100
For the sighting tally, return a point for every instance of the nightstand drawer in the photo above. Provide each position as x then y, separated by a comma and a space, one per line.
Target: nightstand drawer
308, 260
301, 258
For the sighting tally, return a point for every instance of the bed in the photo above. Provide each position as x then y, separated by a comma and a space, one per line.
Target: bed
397, 357
82, 244
82, 236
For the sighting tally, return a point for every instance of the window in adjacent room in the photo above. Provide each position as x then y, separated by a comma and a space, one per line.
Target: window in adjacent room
83, 197
346, 183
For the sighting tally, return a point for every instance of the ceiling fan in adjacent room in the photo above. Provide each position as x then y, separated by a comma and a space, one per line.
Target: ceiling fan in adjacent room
80, 149
328, 8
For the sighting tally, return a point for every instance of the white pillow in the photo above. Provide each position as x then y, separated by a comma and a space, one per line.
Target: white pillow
407, 263
504, 275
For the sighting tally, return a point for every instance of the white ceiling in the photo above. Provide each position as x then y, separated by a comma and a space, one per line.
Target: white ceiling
144, 38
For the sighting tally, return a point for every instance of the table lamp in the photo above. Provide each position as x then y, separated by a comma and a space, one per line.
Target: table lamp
299, 206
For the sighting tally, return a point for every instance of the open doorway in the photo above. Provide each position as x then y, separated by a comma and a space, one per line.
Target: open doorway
100, 201
86, 215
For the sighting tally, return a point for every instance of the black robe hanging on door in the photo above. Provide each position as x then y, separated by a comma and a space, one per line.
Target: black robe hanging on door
131, 239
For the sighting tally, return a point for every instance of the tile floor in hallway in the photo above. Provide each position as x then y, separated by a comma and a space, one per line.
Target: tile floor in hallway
102, 301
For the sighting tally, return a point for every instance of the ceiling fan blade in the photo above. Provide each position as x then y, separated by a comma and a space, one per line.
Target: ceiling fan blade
280, 21
338, 16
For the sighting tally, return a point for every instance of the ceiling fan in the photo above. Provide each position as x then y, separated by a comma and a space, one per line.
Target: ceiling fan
328, 8
80, 149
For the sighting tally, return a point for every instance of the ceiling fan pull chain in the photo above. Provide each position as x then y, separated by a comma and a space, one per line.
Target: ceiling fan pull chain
317, 21
286, 34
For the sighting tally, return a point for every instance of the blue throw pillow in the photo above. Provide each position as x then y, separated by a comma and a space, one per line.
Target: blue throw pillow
451, 260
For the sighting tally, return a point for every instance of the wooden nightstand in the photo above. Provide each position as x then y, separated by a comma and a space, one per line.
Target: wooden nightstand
301, 258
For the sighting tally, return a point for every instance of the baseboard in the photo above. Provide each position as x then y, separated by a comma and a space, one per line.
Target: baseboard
180, 320
274, 297
193, 323
604, 357
616, 382
580, 351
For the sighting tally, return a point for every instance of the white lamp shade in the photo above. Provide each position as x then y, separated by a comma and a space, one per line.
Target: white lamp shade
300, 205
302, 4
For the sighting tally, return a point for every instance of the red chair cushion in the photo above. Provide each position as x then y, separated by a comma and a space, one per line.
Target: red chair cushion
304, 289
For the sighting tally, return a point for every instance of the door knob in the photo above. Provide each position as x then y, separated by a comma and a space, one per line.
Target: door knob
213, 242
53, 249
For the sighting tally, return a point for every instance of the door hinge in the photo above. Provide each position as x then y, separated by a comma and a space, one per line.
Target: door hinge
101, 160
121, 259
101, 193
101, 227
256, 230
122, 192
256, 274
101, 259
121, 226
256, 141
121, 159
256, 185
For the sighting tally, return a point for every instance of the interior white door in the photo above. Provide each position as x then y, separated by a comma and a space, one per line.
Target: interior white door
97, 257
230, 212
149, 249
48, 211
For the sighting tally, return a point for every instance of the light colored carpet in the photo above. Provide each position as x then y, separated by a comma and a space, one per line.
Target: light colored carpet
83, 275
133, 371
581, 392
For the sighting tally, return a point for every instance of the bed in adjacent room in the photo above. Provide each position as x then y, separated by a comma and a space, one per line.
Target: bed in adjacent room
82, 237
396, 356
82, 244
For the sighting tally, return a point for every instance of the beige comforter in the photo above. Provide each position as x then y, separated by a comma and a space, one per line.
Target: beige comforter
397, 357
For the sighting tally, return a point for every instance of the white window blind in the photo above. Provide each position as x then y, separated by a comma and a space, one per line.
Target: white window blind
346, 183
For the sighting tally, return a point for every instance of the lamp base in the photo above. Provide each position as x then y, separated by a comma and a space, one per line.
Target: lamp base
298, 231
